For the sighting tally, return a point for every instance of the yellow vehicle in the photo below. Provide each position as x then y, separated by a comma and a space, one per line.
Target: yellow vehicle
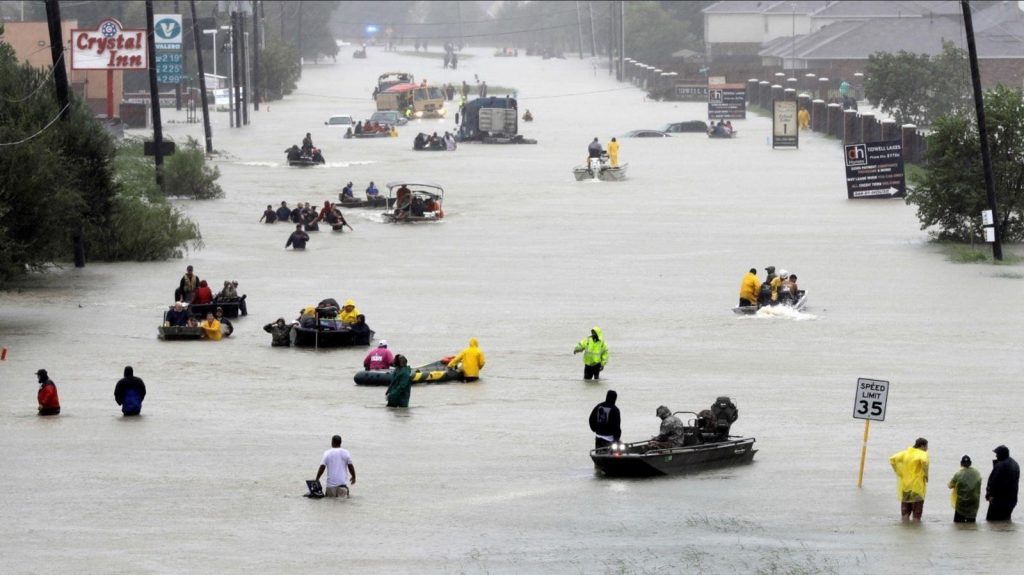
413, 100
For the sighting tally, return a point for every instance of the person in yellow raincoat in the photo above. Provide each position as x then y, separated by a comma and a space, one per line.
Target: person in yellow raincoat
595, 354
211, 327
472, 360
348, 312
613, 152
804, 118
749, 287
911, 467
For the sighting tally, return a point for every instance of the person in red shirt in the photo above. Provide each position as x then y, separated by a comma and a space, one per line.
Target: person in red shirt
204, 294
49, 403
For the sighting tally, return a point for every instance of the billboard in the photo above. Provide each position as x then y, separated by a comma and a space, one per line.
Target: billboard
167, 36
785, 130
727, 101
875, 170
109, 47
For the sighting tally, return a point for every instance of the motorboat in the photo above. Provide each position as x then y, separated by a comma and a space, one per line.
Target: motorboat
298, 158
600, 169
179, 332
414, 202
377, 202
798, 305
370, 134
324, 331
229, 307
429, 374
706, 445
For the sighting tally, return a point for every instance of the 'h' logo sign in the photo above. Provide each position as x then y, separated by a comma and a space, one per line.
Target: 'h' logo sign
856, 155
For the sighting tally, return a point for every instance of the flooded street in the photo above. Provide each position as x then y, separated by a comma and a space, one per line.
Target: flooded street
494, 476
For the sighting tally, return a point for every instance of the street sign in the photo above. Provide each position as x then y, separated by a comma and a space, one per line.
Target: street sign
870, 399
727, 101
875, 170
785, 130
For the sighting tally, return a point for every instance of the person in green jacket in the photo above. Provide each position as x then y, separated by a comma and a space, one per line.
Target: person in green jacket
401, 383
595, 354
966, 486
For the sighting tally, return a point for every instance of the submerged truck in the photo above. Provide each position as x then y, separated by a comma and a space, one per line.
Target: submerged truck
491, 120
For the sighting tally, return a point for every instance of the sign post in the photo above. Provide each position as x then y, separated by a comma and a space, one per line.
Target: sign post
726, 101
869, 404
785, 128
875, 170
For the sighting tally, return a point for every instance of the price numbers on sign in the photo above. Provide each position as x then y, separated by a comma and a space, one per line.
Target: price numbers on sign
870, 399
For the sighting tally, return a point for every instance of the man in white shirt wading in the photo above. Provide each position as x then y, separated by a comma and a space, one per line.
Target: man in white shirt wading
338, 463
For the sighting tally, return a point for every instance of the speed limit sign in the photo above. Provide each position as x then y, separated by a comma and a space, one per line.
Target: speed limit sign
869, 401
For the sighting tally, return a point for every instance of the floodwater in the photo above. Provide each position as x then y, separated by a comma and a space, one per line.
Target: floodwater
494, 477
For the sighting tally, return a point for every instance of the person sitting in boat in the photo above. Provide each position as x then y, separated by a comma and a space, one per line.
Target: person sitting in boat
728, 126
380, 358
178, 316
594, 150
403, 200
347, 193
280, 333
672, 430
269, 215
432, 206
298, 239
749, 288
294, 153
203, 294
361, 332
392, 131
793, 288
787, 289
776, 284
417, 208
226, 327
307, 317
211, 327
187, 286
372, 192
348, 312
527, 117
283, 212
317, 156
358, 130
307, 145
230, 294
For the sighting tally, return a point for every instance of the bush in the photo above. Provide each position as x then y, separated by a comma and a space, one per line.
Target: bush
187, 175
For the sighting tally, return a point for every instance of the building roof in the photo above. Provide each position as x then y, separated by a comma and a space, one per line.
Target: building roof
740, 7
797, 7
783, 47
995, 15
871, 9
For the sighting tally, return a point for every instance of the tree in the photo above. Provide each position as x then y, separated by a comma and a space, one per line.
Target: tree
950, 195
917, 88
279, 69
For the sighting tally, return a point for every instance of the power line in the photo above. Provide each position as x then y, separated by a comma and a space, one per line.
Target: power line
46, 127
487, 21
45, 80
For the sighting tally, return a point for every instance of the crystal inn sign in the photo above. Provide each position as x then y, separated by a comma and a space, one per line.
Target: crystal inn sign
109, 47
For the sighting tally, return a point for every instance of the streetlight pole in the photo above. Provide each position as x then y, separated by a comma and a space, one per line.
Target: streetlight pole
214, 32
792, 54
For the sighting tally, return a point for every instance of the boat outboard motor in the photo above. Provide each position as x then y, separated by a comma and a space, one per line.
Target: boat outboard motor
785, 295
726, 413
764, 296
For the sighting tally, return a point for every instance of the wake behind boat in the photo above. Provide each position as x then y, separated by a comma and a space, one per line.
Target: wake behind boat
798, 305
600, 169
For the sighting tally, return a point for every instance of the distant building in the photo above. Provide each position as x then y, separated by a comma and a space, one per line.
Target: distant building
31, 43
836, 37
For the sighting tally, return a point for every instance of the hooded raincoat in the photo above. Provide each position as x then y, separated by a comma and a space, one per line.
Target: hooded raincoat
749, 287
399, 391
613, 153
594, 352
348, 317
911, 467
472, 359
966, 486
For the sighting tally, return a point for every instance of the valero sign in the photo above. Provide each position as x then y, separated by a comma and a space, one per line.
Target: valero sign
109, 47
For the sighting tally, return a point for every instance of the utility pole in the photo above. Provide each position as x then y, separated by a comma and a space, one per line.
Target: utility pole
197, 37
154, 98
177, 85
979, 107
60, 83
611, 37
622, 40
255, 55
281, 4
298, 35
579, 28
236, 65
458, 9
593, 38
244, 57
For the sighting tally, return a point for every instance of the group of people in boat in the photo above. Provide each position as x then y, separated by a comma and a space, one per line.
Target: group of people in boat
307, 151
371, 127
408, 204
611, 155
348, 192
776, 289
721, 129
193, 291
710, 425
434, 142
306, 216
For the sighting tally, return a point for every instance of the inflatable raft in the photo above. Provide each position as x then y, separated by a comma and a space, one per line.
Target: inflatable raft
431, 373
